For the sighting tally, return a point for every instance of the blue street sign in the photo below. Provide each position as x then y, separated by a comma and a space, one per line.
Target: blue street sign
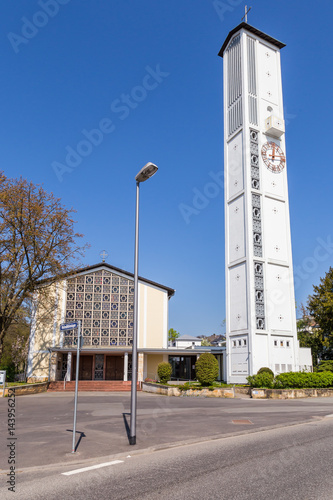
68, 326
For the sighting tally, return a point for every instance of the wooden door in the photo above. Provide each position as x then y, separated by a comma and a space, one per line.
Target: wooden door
114, 368
85, 368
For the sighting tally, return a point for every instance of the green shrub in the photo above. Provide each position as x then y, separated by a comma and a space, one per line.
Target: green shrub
184, 387
261, 380
303, 380
207, 369
164, 371
264, 369
189, 385
325, 366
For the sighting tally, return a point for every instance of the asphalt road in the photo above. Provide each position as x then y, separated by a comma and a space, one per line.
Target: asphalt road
293, 462
44, 423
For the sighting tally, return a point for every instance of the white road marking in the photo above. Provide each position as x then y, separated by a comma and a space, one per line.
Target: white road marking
105, 464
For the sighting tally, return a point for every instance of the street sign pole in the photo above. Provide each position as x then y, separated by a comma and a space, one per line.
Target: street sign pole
76, 381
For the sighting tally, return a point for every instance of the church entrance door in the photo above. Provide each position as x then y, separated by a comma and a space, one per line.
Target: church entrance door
85, 368
114, 368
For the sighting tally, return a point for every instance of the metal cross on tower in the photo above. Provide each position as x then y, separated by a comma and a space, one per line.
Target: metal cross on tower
104, 255
246, 13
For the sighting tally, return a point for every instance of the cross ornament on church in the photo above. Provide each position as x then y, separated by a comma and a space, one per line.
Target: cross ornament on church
104, 255
246, 13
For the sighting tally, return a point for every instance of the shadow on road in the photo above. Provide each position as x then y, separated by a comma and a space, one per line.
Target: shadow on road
82, 434
127, 427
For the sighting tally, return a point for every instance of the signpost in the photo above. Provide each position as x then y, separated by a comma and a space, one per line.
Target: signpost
71, 326
3, 381
68, 326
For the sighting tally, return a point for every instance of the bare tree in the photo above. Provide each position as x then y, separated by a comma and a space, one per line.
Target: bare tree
37, 242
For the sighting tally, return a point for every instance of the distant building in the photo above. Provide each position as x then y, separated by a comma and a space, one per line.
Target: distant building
186, 341
217, 340
309, 324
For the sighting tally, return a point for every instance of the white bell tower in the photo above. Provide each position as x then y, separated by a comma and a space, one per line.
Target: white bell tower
260, 298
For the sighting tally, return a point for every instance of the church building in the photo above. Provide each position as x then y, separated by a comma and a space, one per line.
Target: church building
101, 297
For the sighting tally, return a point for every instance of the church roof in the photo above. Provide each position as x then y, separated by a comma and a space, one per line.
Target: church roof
170, 291
88, 269
253, 30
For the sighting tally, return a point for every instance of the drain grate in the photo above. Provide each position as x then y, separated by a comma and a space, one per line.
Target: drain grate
242, 422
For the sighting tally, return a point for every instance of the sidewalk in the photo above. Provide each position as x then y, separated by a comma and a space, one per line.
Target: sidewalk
44, 423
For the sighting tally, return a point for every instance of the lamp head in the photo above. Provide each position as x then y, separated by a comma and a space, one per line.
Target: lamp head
147, 171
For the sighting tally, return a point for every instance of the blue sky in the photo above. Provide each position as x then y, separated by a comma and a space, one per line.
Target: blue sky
145, 77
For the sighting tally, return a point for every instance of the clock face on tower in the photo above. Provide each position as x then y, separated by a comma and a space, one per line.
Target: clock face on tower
273, 157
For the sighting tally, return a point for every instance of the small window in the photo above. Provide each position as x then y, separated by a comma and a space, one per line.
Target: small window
244, 342
288, 343
239, 342
275, 343
234, 343
281, 343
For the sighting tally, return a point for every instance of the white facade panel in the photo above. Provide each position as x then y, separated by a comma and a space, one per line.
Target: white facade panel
275, 228
238, 347
236, 223
279, 300
305, 358
235, 165
273, 184
238, 298
261, 350
282, 354
269, 74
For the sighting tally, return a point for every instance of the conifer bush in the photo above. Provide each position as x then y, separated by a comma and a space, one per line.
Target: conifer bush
164, 371
207, 369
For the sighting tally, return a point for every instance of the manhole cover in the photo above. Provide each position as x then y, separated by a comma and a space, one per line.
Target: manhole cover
242, 422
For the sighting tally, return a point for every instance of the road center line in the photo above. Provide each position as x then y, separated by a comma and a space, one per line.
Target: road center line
105, 464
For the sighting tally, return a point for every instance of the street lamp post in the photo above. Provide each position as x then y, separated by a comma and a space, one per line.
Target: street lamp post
145, 173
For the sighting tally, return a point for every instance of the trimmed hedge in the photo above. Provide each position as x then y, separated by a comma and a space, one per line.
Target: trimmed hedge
303, 380
292, 380
261, 380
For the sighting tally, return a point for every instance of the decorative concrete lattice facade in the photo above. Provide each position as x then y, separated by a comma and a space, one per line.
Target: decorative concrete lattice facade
104, 304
